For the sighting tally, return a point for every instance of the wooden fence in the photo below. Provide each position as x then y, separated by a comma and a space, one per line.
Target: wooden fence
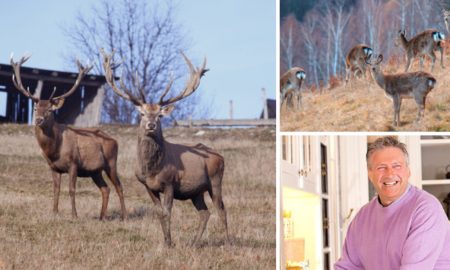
226, 123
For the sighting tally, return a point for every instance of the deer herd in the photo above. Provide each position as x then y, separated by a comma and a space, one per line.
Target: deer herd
399, 86
168, 171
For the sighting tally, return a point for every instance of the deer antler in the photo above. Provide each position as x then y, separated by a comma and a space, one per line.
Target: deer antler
109, 67
17, 80
379, 59
191, 85
82, 71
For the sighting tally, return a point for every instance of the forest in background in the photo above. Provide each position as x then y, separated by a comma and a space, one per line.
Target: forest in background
317, 35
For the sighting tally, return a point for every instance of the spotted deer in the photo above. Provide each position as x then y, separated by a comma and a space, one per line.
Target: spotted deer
177, 171
290, 85
77, 152
422, 44
355, 62
401, 86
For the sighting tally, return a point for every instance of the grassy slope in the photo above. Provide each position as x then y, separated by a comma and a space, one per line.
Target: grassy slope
32, 238
363, 106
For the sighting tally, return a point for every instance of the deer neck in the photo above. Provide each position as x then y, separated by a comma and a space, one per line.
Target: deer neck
379, 78
49, 138
404, 42
151, 153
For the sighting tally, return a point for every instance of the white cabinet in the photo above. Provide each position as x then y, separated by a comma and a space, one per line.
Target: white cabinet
435, 165
308, 177
429, 160
299, 163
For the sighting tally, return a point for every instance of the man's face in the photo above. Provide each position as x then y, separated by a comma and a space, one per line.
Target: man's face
389, 173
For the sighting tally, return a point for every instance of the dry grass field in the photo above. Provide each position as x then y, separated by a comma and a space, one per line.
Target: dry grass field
31, 237
363, 106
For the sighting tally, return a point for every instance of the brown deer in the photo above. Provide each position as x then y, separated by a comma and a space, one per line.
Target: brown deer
422, 44
78, 152
404, 85
176, 171
290, 84
356, 61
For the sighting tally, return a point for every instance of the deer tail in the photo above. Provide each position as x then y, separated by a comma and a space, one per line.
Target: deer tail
431, 81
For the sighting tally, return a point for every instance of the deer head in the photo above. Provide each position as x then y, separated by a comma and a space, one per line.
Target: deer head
152, 112
400, 38
375, 64
43, 109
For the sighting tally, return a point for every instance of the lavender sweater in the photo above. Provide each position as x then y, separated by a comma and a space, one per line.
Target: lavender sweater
412, 233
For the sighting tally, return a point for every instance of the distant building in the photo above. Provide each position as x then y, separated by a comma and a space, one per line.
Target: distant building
271, 109
82, 108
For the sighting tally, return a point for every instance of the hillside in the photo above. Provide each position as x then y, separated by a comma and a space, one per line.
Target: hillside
363, 106
32, 238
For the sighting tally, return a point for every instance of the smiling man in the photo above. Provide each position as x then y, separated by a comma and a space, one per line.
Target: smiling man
401, 228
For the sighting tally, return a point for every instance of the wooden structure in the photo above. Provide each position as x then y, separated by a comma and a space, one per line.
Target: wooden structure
269, 110
267, 118
226, 123
82, 108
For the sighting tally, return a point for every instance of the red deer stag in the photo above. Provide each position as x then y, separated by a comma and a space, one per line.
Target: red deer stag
404, 85
290, 84
356, 61
177, 171
78, 152
421, 45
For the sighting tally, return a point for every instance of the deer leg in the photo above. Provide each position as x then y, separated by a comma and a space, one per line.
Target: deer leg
56, 189
203, 213
397, 104
111, 172
166, 213
162, 214
290, 102
282, 100
421, 108
72, 187
216, 195
347, 74
299, 100
101, 184
442, 56
433, 60
408, 63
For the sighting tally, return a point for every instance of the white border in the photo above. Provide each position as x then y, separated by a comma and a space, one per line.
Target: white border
278, 134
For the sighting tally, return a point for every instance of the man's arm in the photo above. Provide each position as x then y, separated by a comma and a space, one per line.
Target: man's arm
425, 238
349, 259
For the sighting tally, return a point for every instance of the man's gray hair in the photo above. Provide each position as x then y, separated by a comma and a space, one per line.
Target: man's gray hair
384, 142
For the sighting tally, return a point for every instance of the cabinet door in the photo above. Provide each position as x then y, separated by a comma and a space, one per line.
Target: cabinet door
297, 166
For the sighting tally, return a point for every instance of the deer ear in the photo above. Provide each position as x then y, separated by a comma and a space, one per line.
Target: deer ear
166, 110
57, 104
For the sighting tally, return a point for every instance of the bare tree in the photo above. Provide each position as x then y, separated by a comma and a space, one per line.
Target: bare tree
310, 40
336, 19
402, 6
371, 14
148, 41
289, 42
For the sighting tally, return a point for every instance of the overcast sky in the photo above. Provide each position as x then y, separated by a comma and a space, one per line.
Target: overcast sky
237, 37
